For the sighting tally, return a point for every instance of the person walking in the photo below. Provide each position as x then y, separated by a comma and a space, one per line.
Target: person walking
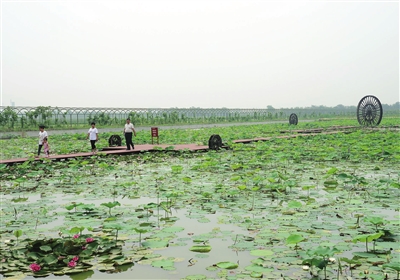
93, 136
129, 129
42, 134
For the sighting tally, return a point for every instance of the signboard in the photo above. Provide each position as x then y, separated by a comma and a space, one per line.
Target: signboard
154, 133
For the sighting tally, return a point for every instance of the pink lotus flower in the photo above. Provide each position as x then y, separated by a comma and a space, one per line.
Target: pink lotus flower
72, 264
75, 259
89, 240
76, 236
34, 267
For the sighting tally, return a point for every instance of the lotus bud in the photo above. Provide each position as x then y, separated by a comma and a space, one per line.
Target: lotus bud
332, 260
306, 267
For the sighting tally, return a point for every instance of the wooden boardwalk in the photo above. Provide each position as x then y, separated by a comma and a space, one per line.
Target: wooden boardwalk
121, 150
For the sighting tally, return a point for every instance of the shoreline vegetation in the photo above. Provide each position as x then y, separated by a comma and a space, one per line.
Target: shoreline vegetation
18, 119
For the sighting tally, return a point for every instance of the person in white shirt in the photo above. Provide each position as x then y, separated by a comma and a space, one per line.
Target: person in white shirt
93, 136
129, 129
42, 134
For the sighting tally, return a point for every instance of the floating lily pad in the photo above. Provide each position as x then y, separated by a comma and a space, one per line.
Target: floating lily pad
201, 248
261, 253
227, 265
255, 274
259, 269
162, 263
173, 229
155, 244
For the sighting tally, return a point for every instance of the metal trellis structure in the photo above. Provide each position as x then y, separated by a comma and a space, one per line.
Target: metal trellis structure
31, 117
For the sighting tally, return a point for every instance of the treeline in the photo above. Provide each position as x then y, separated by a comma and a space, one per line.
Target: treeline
15, 118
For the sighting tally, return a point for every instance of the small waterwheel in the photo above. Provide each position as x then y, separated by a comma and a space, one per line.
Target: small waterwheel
114, 140
293, 119
215, 142
369, 111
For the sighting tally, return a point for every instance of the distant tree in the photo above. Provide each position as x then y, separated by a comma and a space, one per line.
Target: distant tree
8, 117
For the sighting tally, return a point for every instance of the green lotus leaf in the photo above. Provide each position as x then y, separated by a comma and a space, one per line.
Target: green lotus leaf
46, 248
17, 233
331, 183
363, 255
255, 274
115, 226
323, 251
201, 248
50, 259
294, 239
87, 207
105, 267
258, 269
140, 230
155, 244
261, 253
151, 256
162, 263
111, 204
83, 275
187, 179
294, 204
20, 199
32, 256
176, 168
173, 229
392, 265
227, 265
212, 268
375, 220
367, 237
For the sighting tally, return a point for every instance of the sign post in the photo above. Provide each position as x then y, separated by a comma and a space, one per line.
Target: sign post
154, 133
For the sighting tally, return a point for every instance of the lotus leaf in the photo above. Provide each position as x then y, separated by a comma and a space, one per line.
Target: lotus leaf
162, 263
200, 248
227, 265
261, 253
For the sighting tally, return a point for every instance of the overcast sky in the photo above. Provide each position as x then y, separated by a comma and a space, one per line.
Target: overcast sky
209, 54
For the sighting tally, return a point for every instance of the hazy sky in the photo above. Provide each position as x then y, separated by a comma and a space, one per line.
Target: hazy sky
234, 54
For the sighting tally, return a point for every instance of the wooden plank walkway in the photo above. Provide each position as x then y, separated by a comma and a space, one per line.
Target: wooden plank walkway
320, 130
121, 150
245, 141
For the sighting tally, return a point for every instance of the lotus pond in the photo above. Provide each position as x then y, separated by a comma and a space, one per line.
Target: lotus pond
312, 207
